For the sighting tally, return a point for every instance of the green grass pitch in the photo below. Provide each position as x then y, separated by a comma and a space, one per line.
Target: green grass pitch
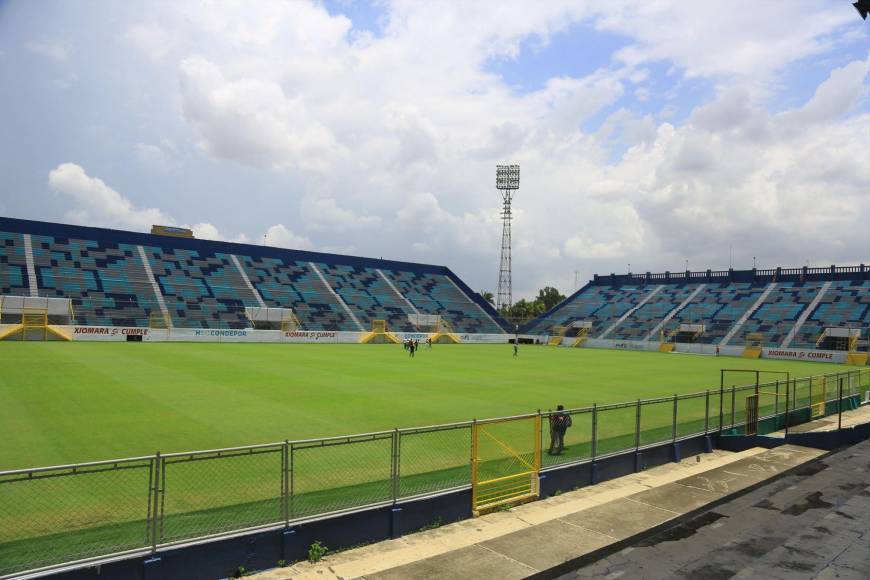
65, 403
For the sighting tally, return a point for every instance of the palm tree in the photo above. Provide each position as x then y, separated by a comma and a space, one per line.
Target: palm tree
488, 296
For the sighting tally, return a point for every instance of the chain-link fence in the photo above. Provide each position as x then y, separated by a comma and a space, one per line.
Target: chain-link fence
212, 492
434, 459
58, 515
63, 514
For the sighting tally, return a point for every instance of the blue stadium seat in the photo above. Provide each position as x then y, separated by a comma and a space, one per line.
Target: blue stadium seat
13, 265
106, 281
602, 305
648, 316
719, 305
201, 290
779, 312
203, 284
369, 296
846, 304
433, 293
295, 285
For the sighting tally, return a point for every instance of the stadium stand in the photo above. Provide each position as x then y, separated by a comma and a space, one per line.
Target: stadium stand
368, 295
200, 289
647, 316
601, 304
438, 293
295, 285
844, 304
127, 279
719, 306
106, 278
788, 307
13, 274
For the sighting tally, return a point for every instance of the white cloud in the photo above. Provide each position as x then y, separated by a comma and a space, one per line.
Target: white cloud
350, 250
280, 236
99, 204
152, 40
55, 51
835, 97
323, 214
252, 121
747, 39
161, 158
385, 144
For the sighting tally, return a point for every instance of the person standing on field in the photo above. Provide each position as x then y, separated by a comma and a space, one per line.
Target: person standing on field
559, 423
516, 349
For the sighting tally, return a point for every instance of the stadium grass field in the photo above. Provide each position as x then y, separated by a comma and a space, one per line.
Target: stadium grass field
67, 403
89, 401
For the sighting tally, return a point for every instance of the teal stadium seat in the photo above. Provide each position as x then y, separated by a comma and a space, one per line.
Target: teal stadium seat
102, 272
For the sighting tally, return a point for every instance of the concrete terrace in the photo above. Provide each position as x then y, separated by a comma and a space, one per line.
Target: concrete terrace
562, 531
811, 523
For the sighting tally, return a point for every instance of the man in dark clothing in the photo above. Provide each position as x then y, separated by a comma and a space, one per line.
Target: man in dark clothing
411, 347
559, 423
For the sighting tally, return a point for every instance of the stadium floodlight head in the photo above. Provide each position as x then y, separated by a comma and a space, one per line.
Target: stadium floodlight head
863, 8
507, 177
507, 181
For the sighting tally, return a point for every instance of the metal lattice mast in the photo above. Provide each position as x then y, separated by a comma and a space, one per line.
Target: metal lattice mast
507, 181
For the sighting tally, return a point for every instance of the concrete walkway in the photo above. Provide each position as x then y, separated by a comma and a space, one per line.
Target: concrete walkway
812, 523
540, 535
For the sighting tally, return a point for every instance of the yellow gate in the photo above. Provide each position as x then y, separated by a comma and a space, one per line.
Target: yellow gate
818, 395
505, 462
34, 324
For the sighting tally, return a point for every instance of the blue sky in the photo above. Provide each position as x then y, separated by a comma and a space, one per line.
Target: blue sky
648, 133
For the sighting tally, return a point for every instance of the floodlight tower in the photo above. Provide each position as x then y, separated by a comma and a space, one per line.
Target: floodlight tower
507, 181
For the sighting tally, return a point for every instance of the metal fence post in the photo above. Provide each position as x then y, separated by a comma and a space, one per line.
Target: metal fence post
473, 460
394, 466
292, 495
787, 400
285, 482
674, 427
637, 427
706, 411
840, 405
594, 430
811, 397
149, 511
776, 401
721, 406
733, 403
155, 503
